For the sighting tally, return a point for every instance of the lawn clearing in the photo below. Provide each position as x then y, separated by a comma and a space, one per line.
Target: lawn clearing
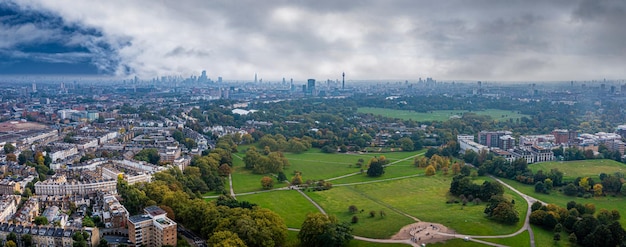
425, 197
440, 115
580, 168
544, 237
289, 204
337, 200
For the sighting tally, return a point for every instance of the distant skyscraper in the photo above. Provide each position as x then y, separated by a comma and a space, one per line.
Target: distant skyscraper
34, 87
255, 78
311, 87
343, 80
219, 79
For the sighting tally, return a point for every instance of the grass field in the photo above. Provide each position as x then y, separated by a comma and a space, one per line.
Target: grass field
315, 165
441, 115
546, 238
289, 204
580, 168
558, 198
413, 194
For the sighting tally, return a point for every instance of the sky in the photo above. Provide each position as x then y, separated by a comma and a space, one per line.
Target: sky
489, 40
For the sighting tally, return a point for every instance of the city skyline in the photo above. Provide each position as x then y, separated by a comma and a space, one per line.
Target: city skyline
369, 40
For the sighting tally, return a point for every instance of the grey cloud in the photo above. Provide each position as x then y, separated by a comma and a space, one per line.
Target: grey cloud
457, 39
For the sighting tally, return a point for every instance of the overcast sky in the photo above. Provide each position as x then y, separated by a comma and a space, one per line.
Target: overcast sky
368, 39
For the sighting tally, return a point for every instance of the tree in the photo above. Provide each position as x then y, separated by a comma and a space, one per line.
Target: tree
323, 230
225, 239
27, 239
11, 157
456, 169
353, 209
376, 167
430, 170
224, 170
252, 158
584, 183
597, 189
10, 243
355, 219
297, 179
557, 237
103, 243
150, 155
281, 177
406, 144
9, 148
267, 183
12, 237
41, 220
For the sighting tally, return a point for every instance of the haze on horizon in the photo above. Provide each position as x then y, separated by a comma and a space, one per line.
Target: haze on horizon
400, 39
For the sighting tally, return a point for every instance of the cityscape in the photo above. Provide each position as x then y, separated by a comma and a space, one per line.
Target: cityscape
325, 126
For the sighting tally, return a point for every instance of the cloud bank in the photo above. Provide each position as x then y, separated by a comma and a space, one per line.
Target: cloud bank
368, 39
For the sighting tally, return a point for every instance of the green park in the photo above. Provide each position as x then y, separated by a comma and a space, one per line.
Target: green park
405, 196
439, 115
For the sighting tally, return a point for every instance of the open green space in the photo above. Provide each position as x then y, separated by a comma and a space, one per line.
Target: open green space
558, 198
289, 204
337, 200
315, 165
394, 171
580, 168
546, 238
440, 115
425, 197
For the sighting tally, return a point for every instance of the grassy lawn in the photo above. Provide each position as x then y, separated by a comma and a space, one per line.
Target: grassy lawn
399, 170
422, 197
425, 197
315, 165
521, 240
337, 200
580, 168
544, 237
289, 204
441, 115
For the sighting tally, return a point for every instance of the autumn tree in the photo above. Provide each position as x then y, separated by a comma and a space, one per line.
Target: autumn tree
267, 183
456, 169
224, 170
297, 179
584, 183
430, 170
597, 189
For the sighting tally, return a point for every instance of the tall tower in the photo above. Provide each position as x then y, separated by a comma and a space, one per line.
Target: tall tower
343, 80
255, 79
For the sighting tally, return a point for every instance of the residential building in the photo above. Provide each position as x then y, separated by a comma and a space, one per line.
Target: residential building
152, 229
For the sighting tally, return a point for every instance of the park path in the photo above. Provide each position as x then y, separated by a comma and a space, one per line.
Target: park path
230, 181
312, 202
375, 240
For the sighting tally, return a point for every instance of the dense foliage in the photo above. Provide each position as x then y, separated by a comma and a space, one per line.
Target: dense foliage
578, 220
